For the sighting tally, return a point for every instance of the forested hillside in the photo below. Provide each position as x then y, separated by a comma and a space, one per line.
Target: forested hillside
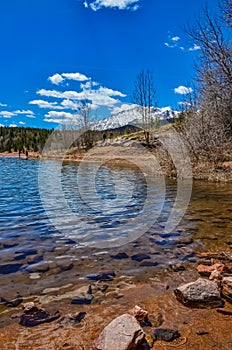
15, 139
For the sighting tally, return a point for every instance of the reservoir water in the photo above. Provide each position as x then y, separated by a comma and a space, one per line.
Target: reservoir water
40, 248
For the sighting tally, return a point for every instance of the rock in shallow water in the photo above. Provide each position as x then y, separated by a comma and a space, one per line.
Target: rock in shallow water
84, 297
166, 334
33, 316
9, 268
123, 333
102, 276
140, 257
201, 293
120, 256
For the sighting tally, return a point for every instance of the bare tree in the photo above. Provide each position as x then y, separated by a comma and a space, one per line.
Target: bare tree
85, 112
145, 97
226, 10
206, 120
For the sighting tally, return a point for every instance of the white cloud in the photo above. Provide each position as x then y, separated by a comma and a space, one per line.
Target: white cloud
27, 112
75, 76
68, 104
110, 92
58, 116
63, 118
175, 38
195, 48
97, 97
56, 79
88, 85
6, 114
183, 90
22, 123
169, 45
124, 107
1, 124
59, 78
184, 103
3, 104
45, 104
13, 125
114, 4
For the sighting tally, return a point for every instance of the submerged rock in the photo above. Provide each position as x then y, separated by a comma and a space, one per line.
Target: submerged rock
9, 268
33, 316
227, 288
123, 333
149, 263
102, 276
120, 256
166, 334
201, 293
11, 303
140, 257
84, 296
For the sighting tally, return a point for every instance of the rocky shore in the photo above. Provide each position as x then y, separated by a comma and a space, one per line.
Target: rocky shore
191, 308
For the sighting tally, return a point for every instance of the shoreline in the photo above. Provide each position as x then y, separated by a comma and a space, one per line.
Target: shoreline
122, 294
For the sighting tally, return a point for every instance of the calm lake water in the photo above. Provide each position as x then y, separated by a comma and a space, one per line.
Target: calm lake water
44, 248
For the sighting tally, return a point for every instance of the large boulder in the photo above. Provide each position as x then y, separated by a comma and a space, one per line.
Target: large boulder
227, 288
123, 333
201, 293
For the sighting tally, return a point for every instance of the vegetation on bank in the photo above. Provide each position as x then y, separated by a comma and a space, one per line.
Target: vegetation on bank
21, 139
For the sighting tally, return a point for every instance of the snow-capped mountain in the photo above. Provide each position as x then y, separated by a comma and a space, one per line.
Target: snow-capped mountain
133, 117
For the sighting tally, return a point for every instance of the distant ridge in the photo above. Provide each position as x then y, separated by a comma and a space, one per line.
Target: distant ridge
133, 117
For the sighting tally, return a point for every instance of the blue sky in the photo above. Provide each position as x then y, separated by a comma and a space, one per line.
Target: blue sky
55, 52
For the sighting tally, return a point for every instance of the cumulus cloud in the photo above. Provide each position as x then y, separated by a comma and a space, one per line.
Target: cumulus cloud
183, 90
124, 107
114, 4
6, 114
110, 92
75, 76
57, 117
68, 104
10, 114
22, 123
100, 97
13, 125
56, 79
45, 104
24, 112
88, 85
3, 104
195, 47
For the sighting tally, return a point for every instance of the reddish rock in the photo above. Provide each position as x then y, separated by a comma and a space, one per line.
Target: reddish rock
138, 313
123, 333
205, 270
